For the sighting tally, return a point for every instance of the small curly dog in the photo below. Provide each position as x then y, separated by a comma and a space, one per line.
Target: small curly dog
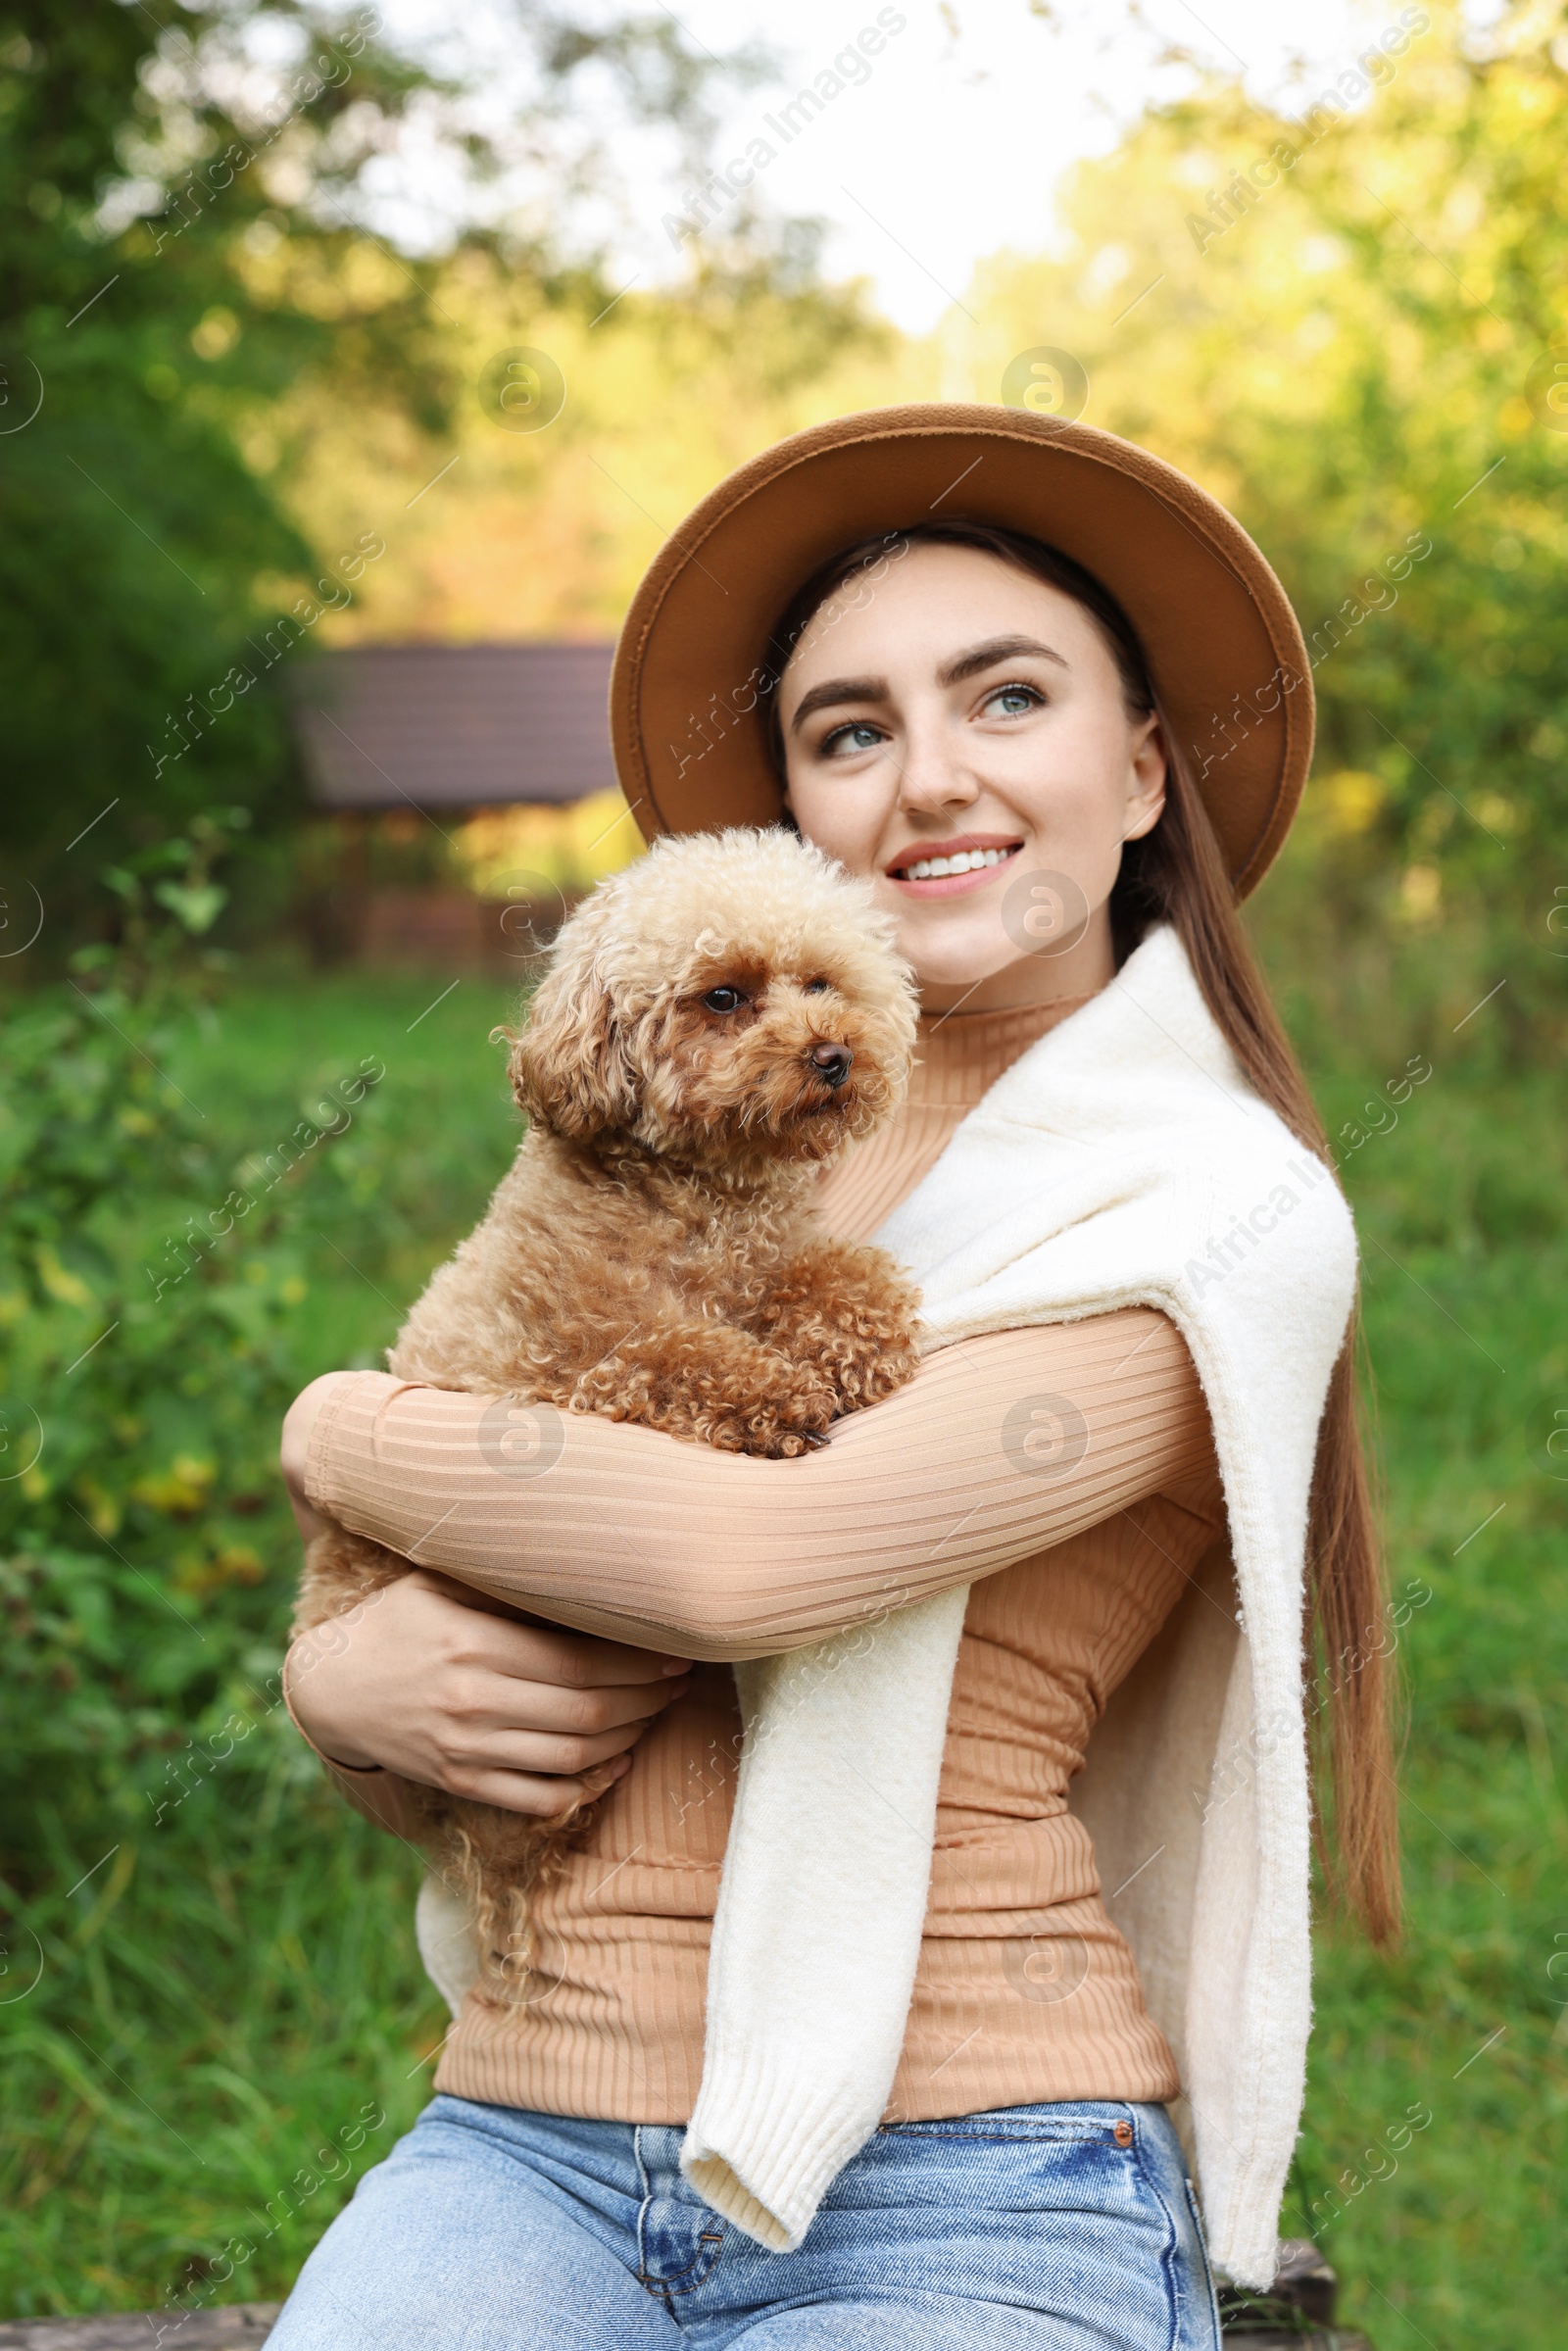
712, 1025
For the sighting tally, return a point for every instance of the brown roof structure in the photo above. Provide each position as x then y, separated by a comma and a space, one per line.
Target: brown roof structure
450, 727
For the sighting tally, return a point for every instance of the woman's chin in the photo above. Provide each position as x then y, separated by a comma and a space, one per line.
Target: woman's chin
949, 953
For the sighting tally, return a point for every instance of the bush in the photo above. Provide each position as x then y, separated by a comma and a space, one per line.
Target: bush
145, 1286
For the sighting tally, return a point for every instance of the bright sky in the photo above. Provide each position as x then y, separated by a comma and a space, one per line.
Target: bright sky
952, 147
947, 147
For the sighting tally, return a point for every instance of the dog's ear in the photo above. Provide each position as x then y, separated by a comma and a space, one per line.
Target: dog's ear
570, 1069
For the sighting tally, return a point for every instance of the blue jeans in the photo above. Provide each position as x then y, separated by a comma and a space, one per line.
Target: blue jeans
492, 2228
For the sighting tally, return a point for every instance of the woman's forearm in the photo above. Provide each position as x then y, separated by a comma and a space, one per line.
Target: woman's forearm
999, 1447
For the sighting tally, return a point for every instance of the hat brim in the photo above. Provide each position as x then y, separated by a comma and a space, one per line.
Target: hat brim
1224, 647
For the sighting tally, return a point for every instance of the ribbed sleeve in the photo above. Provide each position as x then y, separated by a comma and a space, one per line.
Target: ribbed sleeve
678, 1546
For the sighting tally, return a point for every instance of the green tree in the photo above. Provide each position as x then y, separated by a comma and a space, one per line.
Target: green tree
1353, 324
183, 237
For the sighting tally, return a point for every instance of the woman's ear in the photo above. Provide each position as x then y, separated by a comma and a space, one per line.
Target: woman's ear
570, 1069
1147, 770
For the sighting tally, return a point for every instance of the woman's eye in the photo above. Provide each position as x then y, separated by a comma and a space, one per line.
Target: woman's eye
858, 735
1014, 702
723, 999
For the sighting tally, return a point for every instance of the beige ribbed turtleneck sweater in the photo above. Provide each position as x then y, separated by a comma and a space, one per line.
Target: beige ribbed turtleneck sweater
1025, 1991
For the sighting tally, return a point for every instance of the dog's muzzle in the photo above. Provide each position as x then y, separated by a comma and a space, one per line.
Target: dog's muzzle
832, 1063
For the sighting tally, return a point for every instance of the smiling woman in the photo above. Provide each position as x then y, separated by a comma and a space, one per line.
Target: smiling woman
785, 2070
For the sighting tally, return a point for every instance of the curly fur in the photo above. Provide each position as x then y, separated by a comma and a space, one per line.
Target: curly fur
650, 1256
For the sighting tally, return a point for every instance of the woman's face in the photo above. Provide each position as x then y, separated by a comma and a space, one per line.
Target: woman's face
957, 710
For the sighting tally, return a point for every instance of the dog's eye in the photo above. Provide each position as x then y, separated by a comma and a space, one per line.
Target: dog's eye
817, 987
723, 999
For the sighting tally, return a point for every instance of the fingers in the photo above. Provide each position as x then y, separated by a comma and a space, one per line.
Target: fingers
478, 1704
521, 1792
490, 1702
581, 1660
537, 1652
538, 1753
488, 1723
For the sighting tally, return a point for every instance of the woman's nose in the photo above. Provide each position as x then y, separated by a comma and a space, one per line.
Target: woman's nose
932, 778
834, 1063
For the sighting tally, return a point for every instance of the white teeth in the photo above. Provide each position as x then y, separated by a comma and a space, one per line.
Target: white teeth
965, 861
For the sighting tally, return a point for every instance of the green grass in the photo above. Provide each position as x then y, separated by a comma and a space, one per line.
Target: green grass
227, 1995
1463, 1213
223, 1996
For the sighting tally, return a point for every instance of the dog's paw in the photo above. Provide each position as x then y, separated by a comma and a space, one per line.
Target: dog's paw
867, 1374
847, 1314
781, 1430
790, 1446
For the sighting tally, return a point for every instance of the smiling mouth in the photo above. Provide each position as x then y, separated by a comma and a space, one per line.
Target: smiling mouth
946, 867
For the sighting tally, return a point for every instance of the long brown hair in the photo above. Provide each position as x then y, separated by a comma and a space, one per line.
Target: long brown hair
1176, 874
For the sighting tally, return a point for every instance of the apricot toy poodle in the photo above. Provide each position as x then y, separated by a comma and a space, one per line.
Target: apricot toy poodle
714, 1024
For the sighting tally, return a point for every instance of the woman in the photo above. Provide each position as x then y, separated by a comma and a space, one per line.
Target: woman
1050, 697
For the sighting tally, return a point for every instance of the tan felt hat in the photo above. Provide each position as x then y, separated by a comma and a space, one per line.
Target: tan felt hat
686, 706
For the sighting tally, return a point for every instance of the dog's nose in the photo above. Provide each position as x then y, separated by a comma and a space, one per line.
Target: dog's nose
834, 1061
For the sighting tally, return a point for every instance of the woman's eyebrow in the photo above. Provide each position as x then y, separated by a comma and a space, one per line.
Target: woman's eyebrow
993, 650
836, 690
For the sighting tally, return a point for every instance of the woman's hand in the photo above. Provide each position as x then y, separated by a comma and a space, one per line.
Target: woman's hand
437, 1682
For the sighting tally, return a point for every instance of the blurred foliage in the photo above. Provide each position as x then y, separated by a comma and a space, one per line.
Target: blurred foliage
1461, 1193
146, 1281
546, 533
141, 193
506, 853
157, 1245
1355, 351
185, 201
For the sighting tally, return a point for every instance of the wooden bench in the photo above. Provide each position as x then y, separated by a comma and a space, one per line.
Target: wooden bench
1297, 2314
238, 2327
